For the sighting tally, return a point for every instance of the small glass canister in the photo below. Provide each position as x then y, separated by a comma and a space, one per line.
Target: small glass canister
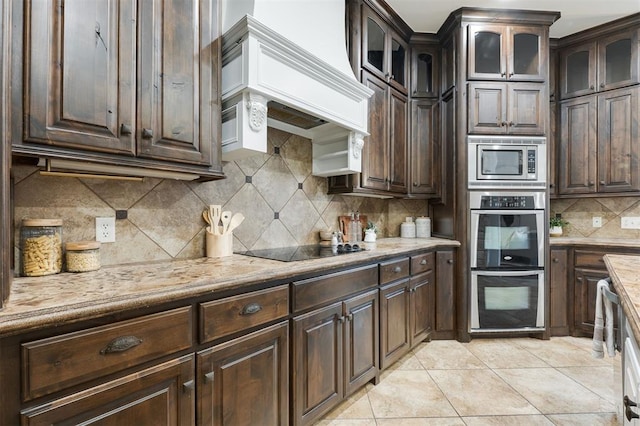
41, 243
83, 256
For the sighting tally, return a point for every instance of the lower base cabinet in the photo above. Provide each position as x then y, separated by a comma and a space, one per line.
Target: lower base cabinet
160, 395
245, 381
335, 352
395, 340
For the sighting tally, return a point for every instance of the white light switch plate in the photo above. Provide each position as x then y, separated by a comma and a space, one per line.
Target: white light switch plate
630, 222
106, 229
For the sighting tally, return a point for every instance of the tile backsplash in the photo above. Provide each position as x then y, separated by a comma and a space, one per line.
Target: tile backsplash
579, 212
283, 204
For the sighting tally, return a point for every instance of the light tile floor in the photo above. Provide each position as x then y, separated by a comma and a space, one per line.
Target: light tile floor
519, 381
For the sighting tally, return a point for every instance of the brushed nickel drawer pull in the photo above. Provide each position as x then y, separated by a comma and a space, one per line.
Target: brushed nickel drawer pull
189, 386
423, 262
209, 377
147, 133
397, 269
121, 344
251, 308
125, 129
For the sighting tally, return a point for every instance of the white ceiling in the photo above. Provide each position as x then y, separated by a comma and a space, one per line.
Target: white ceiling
576, 15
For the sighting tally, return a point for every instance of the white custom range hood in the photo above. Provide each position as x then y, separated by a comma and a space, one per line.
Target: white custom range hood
285, 65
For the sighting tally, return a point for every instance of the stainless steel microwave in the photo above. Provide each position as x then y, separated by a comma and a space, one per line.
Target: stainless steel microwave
509, 162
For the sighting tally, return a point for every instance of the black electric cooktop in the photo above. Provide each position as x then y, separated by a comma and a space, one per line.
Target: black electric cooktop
314, 251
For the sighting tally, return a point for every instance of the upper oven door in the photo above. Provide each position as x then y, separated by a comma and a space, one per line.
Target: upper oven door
507, 239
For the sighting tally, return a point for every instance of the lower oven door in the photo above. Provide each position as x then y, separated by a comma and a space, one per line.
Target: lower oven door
507, 300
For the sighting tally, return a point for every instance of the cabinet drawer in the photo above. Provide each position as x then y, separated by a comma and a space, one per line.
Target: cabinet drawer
55, 363
232, 314
326, 288
394, 270
589, 259
422, 263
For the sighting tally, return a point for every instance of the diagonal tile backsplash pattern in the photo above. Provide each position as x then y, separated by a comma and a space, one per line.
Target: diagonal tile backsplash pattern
283, 204
579, 212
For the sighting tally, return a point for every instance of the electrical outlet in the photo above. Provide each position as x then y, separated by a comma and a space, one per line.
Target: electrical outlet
106, 229
597, 222
630, 222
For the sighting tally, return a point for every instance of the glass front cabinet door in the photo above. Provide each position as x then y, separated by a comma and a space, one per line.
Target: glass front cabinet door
500, 52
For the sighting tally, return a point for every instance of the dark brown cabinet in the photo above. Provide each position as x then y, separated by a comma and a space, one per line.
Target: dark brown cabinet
122, 83
159, 395
385, 53
425, 167
335, 352
425, 70
395, 338
446, 296
504, 108
603, 63
245, 381
585, 287
598, 148
507, 52
559, 324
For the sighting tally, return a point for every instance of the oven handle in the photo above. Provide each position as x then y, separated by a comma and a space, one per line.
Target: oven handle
507, 273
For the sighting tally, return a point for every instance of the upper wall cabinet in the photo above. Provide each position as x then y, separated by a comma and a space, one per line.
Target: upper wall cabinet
425, 67
596, 65
384, 53
132, 82
507, 52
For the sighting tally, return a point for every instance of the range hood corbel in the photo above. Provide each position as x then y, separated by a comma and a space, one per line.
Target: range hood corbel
265, 72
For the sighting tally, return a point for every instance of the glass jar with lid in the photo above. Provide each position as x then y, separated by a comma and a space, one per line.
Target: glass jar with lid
41, 244
83, 256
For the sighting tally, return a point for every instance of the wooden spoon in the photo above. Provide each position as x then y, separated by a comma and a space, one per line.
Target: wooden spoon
226, 218
235, 221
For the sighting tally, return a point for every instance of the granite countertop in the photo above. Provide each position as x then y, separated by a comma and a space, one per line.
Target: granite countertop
585, 241
625, 277
55, 299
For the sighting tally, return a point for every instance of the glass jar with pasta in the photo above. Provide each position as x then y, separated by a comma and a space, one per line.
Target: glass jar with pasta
41, 244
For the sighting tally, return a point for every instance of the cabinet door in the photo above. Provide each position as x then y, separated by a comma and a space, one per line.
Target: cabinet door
375, 57
178, 80
578, 70
160, 395
317, 363
577, 151
487, 46
80, 75
525, 109
375, 153
425, 70
618, 141
398, 140
553, 148
488, 108
618, 60
399, 71
361, 340
448, 56
445, 294
245, 381
585, 300
527, 52
422, 306
559, 293
394, 322
424, 170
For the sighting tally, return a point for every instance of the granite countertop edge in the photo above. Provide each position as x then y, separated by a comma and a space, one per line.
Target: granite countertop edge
624, 271
39, 302
586, 241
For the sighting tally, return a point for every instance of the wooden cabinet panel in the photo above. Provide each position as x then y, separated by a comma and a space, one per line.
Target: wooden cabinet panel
361, 338
246, 380
498, 108
375, 153
233, 314
330, 287
422, 306
619, 141
55, 363
395, 269
423, 263
159, 395
424, 144
317, 363
445, 294
394, 322
80, 75
578, 70
577, 146
425, 70
399, 142
559, 324
586, 281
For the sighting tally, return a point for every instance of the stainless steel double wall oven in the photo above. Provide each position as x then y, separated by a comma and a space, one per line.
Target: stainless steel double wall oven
507, 223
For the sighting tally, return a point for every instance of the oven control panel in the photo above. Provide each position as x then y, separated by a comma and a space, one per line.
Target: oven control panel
507, 202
